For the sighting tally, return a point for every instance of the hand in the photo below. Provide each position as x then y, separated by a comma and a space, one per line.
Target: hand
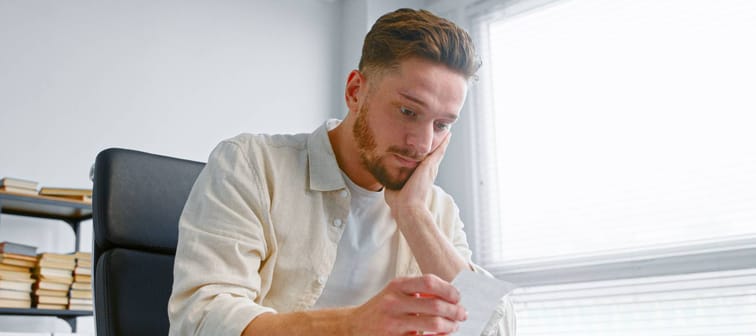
399, 309
418, 186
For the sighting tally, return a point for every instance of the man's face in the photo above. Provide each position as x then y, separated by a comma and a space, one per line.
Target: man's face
405, 115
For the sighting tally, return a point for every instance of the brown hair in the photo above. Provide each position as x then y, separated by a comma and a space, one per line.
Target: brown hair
407, 32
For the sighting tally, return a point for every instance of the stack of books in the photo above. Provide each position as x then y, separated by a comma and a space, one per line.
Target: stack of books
18, 186
16, 262
54, 273
72, 194
80, 295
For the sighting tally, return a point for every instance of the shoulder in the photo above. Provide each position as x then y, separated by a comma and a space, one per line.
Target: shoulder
439, 197
255, 141
442, 204
253, 146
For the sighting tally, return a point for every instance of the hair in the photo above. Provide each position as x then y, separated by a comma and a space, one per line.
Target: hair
406, 33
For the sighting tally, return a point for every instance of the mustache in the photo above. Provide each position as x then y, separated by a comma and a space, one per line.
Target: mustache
406, 152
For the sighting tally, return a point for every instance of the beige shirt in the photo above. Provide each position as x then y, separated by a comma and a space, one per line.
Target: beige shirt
260, 229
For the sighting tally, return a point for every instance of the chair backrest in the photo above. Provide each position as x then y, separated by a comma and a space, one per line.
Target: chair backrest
137, 201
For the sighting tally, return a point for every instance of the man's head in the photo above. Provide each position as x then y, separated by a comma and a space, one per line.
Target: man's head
407, 33
410, 87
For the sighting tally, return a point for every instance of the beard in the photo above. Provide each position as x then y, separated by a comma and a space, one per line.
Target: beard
374, 162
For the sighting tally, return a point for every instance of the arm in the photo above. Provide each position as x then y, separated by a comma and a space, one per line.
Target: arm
222, 243
396, 310
441, 253
434, 253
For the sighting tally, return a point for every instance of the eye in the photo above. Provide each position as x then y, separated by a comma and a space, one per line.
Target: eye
442, 126
407, 112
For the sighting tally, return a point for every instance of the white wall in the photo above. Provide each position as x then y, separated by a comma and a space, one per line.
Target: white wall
164, 76
172, 77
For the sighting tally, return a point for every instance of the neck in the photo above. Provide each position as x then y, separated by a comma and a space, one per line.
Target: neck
348, 155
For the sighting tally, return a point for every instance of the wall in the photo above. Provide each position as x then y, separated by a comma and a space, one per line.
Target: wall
168, 76
174, 77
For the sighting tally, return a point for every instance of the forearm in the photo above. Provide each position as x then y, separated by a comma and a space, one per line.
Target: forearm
317, 322
434, 253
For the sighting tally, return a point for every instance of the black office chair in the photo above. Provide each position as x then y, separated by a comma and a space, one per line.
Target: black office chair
138, 198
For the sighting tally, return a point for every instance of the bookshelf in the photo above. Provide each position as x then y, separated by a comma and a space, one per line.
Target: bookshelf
70, 212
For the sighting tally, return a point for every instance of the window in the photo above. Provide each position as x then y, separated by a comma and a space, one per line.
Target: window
617, 147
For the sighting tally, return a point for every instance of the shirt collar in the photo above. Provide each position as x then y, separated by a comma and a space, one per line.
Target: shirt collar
325, 174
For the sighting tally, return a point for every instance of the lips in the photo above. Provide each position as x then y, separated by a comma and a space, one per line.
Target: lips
406, 162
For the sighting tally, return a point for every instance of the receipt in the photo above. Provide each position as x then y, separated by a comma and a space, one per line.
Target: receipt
480, 296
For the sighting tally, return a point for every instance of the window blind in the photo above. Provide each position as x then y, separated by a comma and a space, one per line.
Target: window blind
617, 126
612, 132
706, 304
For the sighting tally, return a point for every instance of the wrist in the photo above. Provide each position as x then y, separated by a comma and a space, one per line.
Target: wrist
408, 215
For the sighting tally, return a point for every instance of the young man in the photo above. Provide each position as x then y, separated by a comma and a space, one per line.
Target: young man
339, 232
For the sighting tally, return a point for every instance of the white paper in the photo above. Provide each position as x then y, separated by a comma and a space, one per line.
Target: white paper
480, 296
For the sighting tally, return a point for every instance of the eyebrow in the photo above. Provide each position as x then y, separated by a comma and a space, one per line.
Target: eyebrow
423, 104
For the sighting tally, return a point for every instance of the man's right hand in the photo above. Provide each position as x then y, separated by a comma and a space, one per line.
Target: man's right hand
408, 306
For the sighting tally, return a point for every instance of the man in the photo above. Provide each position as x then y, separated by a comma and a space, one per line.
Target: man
339, 232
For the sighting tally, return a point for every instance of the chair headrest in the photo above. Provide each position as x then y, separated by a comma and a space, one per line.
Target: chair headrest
138, 198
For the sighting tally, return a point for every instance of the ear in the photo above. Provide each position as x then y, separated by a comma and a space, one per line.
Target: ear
356, 85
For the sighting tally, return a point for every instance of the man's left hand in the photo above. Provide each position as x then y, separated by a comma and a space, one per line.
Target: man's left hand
417, 188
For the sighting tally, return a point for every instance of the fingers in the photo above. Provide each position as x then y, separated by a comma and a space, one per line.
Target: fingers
432, 306
440, 151
429, 295
428, 284
430, 325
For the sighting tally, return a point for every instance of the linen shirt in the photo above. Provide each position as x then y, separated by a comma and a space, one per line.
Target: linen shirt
260, 229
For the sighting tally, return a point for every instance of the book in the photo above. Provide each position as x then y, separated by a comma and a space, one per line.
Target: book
83, 263
80, 307
50, 299
16, 248
17, 260
82, 271
51, 306
9, 303
49, 292
14, 275
66, 258
75, 301
51, 285
13, 295
57, 279
22, 191
14, 268
51, 191
17, 285
80, 255
82, 286
18, 183
57, 264
80, 294
82, 278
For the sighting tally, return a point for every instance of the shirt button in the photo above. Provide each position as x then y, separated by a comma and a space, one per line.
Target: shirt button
337, 222
322, 280
344, 194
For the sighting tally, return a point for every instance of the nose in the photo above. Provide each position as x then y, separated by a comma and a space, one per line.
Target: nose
420, 138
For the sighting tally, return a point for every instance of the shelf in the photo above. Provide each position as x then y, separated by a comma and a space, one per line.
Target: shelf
69, 211
45, 207
44, 312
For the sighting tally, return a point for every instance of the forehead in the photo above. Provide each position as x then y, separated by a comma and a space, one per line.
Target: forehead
425, 83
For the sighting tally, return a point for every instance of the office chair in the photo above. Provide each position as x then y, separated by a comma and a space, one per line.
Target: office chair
137, 201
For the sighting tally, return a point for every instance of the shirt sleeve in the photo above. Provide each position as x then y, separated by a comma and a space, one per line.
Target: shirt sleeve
221, 245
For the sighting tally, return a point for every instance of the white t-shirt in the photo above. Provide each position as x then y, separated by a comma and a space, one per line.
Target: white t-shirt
366, 255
